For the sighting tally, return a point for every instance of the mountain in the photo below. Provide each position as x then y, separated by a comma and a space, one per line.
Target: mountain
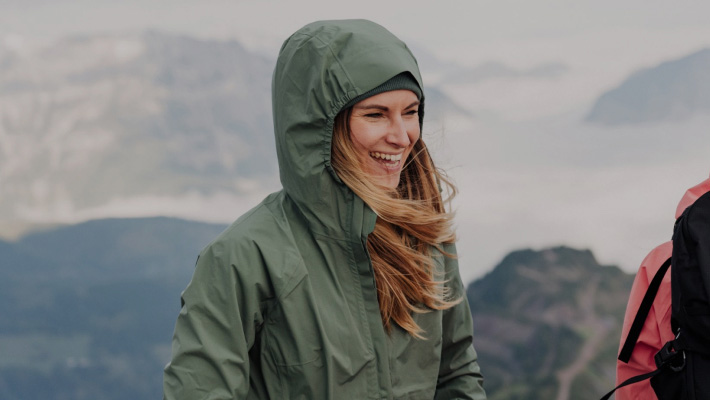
674, 90
547, 324
89, 309
451, 73
92, 118
91, 124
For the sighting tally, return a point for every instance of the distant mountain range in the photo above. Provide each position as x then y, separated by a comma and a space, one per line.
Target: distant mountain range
673, 90
93, 119
88, 313
88, 120
88, 310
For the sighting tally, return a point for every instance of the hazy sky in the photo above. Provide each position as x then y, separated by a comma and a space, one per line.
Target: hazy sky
601, 40
604, 39
613, 207
515, 31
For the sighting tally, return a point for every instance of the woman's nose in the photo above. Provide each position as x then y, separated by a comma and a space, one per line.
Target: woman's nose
397, 134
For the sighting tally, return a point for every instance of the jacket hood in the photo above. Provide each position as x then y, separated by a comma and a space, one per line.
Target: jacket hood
321, 68
691, 195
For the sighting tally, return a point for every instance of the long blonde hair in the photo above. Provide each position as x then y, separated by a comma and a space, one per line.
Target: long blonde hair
411, 221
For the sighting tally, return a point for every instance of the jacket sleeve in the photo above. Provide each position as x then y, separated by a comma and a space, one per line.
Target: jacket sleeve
656, 329
213, 334
459, 374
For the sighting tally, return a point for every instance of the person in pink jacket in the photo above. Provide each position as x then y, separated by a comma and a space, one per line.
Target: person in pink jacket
657, 328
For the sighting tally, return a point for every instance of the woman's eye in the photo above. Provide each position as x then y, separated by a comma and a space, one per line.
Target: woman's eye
412, 112
373, 115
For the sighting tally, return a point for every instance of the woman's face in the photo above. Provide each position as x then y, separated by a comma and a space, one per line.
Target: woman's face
384, 129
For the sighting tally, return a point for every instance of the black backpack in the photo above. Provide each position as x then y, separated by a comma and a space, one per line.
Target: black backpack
683, 364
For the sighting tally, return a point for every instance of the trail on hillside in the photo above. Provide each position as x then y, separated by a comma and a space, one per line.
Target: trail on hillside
591, 346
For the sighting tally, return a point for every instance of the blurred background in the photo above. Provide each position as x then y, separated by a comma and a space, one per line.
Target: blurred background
132, 133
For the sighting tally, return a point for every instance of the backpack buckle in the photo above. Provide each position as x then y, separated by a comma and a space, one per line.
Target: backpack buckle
669, 356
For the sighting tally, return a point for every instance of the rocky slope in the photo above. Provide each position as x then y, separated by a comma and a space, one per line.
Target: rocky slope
547, 324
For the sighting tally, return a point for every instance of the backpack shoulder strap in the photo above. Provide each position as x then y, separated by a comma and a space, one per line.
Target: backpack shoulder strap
642, 313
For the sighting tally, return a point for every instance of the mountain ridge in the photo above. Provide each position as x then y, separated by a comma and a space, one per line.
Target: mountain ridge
89, 121
94, 117
673, 90
547, 323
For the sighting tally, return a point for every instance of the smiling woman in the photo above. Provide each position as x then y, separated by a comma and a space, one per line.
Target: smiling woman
383, 129
372, 145
345, 284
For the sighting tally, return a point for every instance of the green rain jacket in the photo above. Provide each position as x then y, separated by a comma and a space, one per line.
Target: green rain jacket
283, 304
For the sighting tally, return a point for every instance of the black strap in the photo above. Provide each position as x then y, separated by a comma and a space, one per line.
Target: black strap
642, 313
665, 358
633, 379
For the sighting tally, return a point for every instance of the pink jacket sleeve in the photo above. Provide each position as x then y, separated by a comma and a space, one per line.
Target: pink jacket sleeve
656, 330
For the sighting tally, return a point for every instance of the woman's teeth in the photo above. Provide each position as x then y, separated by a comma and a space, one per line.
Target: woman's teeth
386, 157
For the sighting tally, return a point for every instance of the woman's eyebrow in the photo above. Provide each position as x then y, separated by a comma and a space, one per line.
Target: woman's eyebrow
373, 107
376, 106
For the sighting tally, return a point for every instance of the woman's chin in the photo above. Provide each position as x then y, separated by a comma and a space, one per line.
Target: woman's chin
389, 181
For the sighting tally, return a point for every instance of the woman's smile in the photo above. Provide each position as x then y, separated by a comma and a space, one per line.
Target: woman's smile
392, 163
385, 157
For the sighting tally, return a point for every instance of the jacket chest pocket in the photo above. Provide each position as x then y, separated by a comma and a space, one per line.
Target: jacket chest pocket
292, 335
415, 362
313, 343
